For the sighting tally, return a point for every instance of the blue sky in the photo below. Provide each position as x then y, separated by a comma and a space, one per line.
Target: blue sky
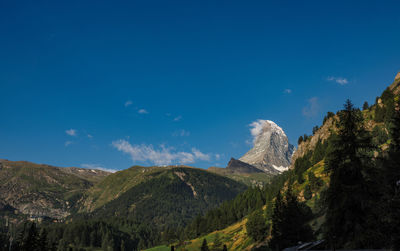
111, 84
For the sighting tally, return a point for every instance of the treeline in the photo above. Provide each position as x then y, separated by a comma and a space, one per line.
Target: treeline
234, 210
80, 235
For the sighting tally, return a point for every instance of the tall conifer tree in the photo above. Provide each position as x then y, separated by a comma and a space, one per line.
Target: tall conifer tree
348, 194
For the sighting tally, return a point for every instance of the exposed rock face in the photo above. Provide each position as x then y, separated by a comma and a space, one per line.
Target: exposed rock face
43, 190
238, 166
272, 151
322, 134
395, 86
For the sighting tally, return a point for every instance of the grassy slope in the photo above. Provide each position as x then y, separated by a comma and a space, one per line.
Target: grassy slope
116, 184
234, 237
249, 179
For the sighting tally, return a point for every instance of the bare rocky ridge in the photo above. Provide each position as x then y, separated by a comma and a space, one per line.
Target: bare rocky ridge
272, 151
44, 190
238, 166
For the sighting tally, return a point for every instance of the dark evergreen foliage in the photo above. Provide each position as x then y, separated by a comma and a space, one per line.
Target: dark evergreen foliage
300, 140
204, 246
328, 116
315, 129
365, 106
256, 225
348, 193
289, 222
391, 192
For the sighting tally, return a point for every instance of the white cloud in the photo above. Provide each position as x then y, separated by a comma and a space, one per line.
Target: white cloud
67, 143
178, 118
98, 167
256, 128
90, 136
217, 156
128, 103
143, 111
339, 80
199, 155
181, 133
287, 91
162, 156
71, 132
312, 107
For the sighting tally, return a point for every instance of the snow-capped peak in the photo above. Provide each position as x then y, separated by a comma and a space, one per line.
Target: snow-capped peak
271, 151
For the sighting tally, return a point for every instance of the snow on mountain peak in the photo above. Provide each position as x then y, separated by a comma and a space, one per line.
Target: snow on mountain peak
272, 151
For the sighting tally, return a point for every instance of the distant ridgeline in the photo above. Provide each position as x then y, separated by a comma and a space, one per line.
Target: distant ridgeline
341, 190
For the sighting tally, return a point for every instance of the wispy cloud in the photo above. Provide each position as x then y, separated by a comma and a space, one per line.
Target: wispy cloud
98, 167
181, 133
67, 143
71, 132
143, 111
312, 108
339, 80
287, 91
162, 156
90, 136
178, 118
128, 103
256, 128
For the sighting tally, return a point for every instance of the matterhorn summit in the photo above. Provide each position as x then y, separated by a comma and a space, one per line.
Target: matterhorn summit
272, 151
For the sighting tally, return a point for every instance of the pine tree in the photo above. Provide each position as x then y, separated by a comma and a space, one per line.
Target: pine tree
307, 192
278, 218
300, 140
256, 225
204, 246
289, 222
391, 195
347, 195
30, 240
42, 242
365, 106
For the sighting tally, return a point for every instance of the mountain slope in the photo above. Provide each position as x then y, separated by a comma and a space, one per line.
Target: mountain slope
114, 185
171, 197
42, 189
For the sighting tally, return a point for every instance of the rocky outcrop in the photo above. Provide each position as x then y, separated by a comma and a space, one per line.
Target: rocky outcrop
272, 151
322, 134
237, 166
395, 86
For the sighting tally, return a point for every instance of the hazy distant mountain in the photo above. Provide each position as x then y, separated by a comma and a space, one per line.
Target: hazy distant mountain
272, 151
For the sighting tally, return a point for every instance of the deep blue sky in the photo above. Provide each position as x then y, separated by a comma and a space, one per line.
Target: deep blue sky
159, 78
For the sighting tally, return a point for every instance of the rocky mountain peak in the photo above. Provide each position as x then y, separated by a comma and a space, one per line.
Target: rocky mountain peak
272, 151
238, 166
